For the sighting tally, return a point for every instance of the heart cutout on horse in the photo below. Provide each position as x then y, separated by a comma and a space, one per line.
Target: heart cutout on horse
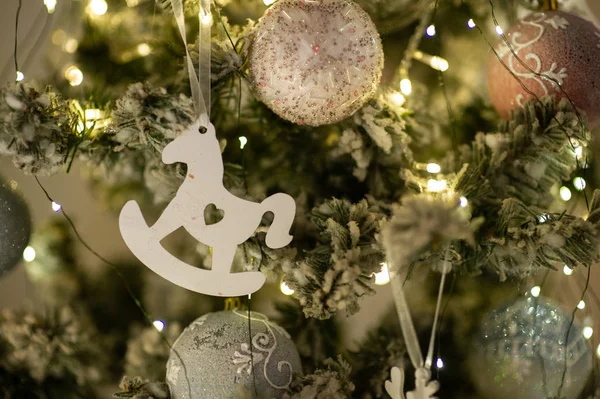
212, 214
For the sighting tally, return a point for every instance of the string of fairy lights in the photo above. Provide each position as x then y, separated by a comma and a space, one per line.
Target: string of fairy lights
96, 118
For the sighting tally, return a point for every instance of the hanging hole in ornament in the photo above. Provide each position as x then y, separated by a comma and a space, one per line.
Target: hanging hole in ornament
212, 214
202, 129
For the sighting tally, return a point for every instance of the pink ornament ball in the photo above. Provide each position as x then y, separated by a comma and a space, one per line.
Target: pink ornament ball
560, 50
315, 62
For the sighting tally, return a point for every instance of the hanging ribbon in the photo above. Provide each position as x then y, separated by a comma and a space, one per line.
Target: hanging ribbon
406, 322
424, 387
199, 84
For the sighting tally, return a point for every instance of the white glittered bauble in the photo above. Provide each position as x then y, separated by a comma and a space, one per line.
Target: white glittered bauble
519, 353
315, 62
216, 353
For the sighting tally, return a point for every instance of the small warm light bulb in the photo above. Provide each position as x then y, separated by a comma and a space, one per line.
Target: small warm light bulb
433, 168
436, 185
598, 351
29, 254
144, 49
269, 2
243, 141
581, 305
20, 76
588, 332
471, 23
93, 114
499, 30
439, 363
430, 31
406, 86
567, 270
579, 183
439, 64
132, 3
159, 325
71, 45
535, 291
50, 5
98, 7
74, 75
397, 98
285, 289
565, 193
383, 277
56, 206
464, 201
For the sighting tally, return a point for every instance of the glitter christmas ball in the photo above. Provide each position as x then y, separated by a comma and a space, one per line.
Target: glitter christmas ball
560, 50
519, 353
219, 350
315, 62
15, 228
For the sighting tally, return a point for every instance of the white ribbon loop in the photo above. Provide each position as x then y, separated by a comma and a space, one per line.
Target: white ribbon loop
200, 86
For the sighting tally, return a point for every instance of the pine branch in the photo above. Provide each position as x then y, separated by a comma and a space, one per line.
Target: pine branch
424, 226
36, 129
335, 274
330, 382
527, 239
532, 153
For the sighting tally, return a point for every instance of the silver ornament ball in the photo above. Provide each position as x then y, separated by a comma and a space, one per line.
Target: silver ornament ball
220, 350
315, 62
15, 228
519, 353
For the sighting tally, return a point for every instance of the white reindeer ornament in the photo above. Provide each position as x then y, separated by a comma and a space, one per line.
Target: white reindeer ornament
198, 147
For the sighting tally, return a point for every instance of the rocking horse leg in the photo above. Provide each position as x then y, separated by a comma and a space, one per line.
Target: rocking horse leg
168, 221
222, 258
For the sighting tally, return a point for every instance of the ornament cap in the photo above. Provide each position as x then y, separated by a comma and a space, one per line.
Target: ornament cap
549, 5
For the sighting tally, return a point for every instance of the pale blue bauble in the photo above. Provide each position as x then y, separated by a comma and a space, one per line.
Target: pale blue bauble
221, 350
519, 352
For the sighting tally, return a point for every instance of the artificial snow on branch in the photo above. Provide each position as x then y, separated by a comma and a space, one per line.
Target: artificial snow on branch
54, 354
329, 382
425, 224
36, 129
527, 239
533, 152
375, 136
335, 274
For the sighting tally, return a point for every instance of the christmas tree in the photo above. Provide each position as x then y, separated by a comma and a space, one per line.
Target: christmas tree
300, 199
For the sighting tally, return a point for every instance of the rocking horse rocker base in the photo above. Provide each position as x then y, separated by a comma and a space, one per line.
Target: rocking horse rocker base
143, 241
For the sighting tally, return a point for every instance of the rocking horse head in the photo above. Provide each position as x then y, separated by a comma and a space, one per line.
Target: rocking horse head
197, 147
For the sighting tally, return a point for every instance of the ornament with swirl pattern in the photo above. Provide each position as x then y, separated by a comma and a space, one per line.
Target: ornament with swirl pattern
552, 50
215, 353
315, 62
519, 353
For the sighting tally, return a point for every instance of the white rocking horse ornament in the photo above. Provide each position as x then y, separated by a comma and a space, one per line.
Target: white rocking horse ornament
198, 147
